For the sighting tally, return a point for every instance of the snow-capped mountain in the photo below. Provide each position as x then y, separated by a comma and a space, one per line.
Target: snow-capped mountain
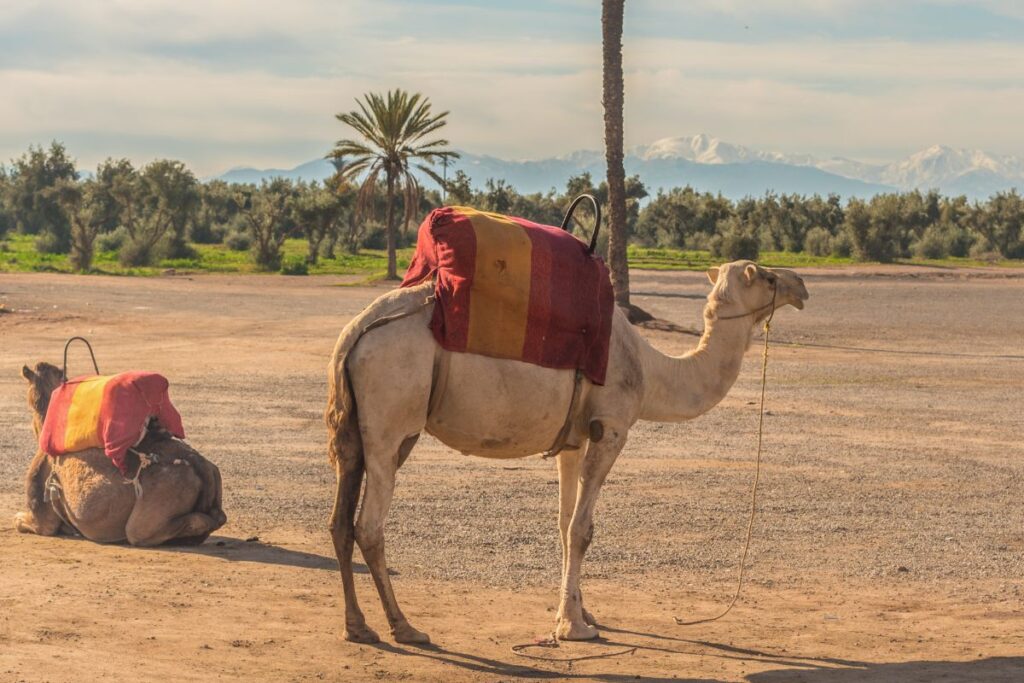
953, 171
941, 166
713, 165
704, 149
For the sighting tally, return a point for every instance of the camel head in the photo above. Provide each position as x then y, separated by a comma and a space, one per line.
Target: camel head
745, 287
41, 383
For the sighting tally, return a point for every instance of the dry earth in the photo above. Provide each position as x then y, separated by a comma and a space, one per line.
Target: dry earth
888, 545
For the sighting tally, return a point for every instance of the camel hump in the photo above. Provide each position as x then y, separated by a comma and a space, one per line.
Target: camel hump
394, 305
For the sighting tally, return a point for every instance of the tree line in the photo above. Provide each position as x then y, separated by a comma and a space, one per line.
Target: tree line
161, 210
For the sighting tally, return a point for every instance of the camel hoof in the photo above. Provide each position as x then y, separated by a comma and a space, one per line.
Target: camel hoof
404, 633
360, 634
567, 630
20, 525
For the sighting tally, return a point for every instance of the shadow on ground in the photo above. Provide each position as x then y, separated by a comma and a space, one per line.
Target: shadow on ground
238, 550
988, 670
787, 667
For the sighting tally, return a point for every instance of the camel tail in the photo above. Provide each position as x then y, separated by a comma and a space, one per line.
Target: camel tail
340, 415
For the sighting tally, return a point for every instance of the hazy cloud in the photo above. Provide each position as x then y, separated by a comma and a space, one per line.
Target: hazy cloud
223, 83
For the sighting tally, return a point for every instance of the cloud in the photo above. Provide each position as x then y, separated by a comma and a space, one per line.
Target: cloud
226, 83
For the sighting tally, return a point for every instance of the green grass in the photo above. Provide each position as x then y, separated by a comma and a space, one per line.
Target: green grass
644, 258
18, 254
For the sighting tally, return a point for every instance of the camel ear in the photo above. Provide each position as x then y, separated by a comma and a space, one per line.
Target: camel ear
27, 373
713, 275
750, 273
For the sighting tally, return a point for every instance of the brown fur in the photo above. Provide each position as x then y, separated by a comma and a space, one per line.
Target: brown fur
181, 492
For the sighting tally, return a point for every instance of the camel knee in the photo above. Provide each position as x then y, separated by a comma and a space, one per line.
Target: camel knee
28, 523
370, 538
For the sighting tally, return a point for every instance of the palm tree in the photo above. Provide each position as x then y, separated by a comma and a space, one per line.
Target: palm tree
393, 128
611, 33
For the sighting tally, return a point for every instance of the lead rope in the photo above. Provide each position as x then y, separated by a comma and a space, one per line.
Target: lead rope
753, 489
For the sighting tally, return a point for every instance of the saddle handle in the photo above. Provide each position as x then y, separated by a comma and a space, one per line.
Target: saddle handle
91, 355
597, 218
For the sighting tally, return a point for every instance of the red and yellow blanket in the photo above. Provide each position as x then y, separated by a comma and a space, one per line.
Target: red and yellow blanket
510, 288
109, 412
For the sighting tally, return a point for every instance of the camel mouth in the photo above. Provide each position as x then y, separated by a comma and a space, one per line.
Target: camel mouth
798, 304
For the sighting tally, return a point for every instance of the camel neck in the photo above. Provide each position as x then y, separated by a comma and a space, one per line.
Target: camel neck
678, 388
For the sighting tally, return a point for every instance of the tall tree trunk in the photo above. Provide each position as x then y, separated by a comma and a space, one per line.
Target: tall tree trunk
392, 261
611, 30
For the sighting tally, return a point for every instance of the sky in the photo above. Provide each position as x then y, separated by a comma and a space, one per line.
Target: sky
226, 83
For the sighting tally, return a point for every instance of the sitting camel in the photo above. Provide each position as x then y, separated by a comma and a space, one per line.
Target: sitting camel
389, 381
180, 497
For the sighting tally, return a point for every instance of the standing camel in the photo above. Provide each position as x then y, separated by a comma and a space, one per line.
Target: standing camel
181, 490
389, 381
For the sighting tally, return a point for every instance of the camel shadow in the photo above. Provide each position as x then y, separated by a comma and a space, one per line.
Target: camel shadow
988, 669
622, 643
238, 550
787, 666
512, 669
707, 648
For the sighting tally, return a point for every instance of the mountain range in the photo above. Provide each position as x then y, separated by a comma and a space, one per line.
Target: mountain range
710, 164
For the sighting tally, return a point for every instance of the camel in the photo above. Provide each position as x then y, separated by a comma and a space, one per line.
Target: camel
180, 497
389, 381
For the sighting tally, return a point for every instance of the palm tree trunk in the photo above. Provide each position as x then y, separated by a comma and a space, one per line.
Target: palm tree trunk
392, 261
611, 29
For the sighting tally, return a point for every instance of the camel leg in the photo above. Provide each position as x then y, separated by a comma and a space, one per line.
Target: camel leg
381, 467
568, 490
40, 517
165, 510
193, 526
349, 471
595, 466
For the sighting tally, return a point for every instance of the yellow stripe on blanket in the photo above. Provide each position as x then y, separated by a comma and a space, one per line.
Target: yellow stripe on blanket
499, 307
83, 421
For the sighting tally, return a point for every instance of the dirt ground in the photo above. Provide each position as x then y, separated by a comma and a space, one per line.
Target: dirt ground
888, 544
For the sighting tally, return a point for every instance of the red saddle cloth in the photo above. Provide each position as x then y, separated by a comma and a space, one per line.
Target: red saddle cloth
506, 287
109, 412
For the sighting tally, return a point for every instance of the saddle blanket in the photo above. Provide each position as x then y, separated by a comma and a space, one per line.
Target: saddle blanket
506, 287
109, 412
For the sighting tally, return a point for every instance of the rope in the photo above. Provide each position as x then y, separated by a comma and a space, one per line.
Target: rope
552, 644
753, 489
145, 460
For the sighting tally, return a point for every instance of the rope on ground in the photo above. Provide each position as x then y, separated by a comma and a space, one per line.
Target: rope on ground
552, 644
753, 489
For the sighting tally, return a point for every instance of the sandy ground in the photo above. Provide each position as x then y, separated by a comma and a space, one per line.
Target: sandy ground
888, 545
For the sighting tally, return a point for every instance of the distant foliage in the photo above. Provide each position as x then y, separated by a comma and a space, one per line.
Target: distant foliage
295, 265
735, 241
162, 210
238, 241
269, 211
31, 190
818, 242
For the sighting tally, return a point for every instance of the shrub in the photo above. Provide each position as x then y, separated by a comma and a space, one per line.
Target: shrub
295, 265
375, 236
930, 245
982, 250
941, 240
113, 240
735, 242
841, 245
238, 241
49, 243
174, 247
818, 242
136, 253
